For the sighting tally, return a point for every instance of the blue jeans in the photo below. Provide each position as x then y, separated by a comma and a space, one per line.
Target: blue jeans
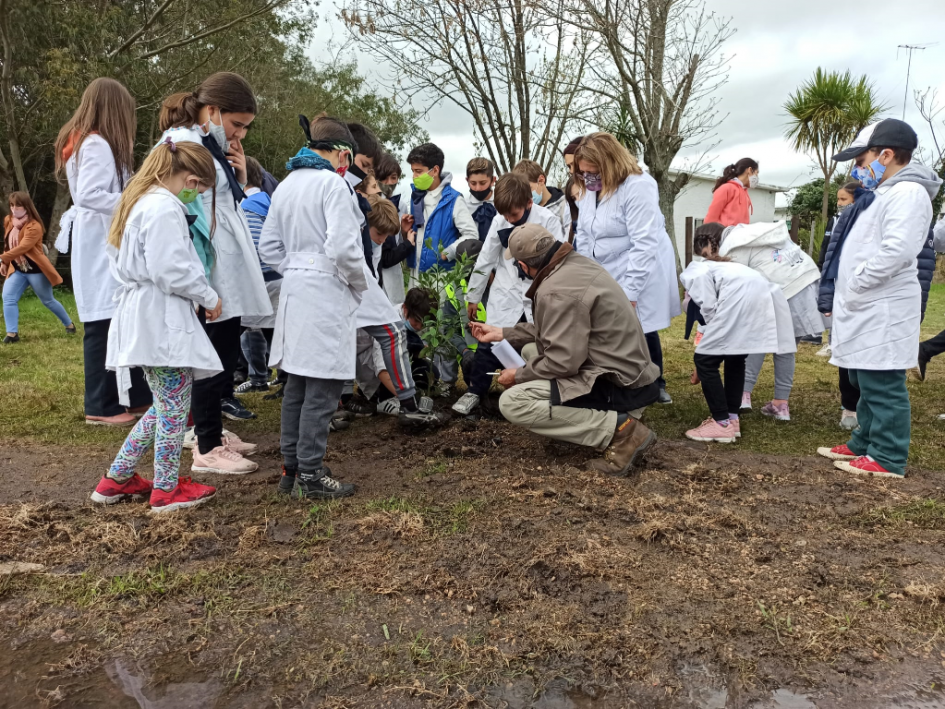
14, 288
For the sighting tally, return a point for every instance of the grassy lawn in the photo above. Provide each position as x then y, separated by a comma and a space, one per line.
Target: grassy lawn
41, 390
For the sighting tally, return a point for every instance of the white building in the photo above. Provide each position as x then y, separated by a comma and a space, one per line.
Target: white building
694, 200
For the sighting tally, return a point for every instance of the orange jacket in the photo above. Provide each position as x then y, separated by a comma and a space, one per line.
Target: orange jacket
31, 246
731, 205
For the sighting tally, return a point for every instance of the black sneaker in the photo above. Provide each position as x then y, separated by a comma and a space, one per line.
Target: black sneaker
361, 407
70, 329
235, 411
10, 339
338, 424
239, 377
278, 394
418, 419
249, 387
923, 363
665, 398
287, 481
323, 487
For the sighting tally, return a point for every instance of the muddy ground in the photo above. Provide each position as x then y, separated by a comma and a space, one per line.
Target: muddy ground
478, 567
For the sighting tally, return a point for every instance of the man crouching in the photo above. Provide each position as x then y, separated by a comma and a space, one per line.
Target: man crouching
588, 374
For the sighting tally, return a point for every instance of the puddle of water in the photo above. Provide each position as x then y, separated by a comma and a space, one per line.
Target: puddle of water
186, 695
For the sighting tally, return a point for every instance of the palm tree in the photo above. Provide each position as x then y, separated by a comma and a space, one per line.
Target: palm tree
826, 114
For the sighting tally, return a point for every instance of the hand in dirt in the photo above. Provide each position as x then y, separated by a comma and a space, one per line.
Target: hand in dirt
472, 310
485, 333
215, 313
507, 378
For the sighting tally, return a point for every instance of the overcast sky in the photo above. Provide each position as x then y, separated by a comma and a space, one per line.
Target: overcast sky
777, 46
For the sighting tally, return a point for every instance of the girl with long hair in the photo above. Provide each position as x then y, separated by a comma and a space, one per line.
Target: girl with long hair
24, 265
217, 115
159, 272
95, 153
731, 204
621, 227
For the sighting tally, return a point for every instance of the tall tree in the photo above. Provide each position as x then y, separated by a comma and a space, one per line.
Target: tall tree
826, 113
516, 72
933, 113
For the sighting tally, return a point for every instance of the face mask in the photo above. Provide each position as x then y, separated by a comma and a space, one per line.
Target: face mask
592, 182
388, 190
357, 171
481, 195
188, 194
218, 132
19, 212
536, 197
753, 181
423, 182
342, 170
523, 220
841, 210
871, 175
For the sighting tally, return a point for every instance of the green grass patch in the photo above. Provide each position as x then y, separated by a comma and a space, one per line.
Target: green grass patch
442, 520
922, 514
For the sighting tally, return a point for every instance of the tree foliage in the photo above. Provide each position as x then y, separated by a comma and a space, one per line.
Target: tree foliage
808, 199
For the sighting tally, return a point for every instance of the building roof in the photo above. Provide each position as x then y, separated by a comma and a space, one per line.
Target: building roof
703, 177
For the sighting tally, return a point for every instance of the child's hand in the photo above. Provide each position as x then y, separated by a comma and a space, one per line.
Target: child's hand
411, 237
237, 159
215, 313
472, 311
406, 223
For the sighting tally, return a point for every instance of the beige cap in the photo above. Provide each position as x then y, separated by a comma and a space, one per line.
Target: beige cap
528, 241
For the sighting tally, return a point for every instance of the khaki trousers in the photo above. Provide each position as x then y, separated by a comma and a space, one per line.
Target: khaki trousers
529, 405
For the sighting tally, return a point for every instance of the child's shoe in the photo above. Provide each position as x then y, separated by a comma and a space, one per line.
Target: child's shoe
287, 481
234, 410
466, 403
123, 419
848, 420
746, 401
712, 431
361, 407
109, 491
391, 407
865, 465
824, 351
186, 494
323, 487
235, 443
841, 452
779, 412
738, 427
222, 460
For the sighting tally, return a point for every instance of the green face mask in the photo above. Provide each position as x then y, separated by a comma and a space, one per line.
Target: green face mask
188, 194
423, 182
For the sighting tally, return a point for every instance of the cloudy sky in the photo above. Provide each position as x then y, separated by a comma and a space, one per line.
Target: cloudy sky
777, 46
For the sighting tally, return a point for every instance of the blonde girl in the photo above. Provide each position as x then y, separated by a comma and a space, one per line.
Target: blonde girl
155, 326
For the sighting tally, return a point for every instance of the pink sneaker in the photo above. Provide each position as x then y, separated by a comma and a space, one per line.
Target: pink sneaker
186, 494
109, 491
738, 426
779, 412
841, 452
711, 431
124, 419
746, 401
222, 460
235, 443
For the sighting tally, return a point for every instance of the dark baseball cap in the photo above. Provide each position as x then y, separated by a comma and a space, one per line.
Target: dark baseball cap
890, 133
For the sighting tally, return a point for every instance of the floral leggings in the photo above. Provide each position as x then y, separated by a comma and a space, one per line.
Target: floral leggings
162, 426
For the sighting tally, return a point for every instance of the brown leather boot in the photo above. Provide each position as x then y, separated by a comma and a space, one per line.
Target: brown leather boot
628, 444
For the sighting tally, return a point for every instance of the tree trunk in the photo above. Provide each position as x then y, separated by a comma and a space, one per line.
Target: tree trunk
60, 205
825, 204
6, 96
668, 191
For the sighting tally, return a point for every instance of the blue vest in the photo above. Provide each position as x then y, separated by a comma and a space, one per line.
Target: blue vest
440, 230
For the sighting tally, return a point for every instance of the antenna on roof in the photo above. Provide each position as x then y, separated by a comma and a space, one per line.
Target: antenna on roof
910, 48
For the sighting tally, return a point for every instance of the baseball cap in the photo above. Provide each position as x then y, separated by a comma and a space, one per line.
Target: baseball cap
528, 241
891, 133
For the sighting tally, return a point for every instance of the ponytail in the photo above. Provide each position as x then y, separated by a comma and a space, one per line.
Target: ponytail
179, 111
709, 236
734, 170
229, 92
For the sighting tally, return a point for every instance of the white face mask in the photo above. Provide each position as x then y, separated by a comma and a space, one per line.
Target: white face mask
218, 132
753, 181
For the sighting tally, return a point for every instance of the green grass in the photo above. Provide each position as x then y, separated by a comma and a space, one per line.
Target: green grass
41, 387
922, 514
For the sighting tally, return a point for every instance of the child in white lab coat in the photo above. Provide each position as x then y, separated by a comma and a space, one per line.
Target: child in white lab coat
157, 270
744, 314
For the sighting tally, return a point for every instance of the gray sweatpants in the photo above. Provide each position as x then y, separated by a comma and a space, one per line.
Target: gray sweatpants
392, 339
307, 407
783, 373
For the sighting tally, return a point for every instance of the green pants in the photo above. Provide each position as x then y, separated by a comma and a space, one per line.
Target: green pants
885, 417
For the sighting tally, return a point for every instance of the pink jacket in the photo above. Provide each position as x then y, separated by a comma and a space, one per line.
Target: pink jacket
731, 205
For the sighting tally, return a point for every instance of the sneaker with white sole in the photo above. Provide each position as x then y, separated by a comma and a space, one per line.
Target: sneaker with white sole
186, 494
746, 401
249, 387
234, 410
841, 452
235, 443
866, 465
712, 431
466, 404
222, 460
391, 407
848, 420
824, 351
779, 412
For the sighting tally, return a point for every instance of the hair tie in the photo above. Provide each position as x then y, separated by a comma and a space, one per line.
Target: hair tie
170, 144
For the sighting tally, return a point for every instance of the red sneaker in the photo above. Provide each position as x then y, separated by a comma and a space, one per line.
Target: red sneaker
865, 465
186, 494
109, 491
838, 453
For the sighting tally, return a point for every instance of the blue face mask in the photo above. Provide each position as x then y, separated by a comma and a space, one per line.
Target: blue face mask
409, 326
536, 197
869, 176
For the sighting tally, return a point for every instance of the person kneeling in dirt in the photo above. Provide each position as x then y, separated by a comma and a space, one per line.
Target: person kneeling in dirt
588, 374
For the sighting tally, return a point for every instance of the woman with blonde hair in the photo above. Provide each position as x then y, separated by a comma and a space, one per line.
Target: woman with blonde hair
159, 272
95, 153
621, 227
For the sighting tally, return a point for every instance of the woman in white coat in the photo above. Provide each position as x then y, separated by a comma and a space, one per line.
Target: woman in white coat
155, 326
743, 314
95, 153
313, 238
621, 227
217, 115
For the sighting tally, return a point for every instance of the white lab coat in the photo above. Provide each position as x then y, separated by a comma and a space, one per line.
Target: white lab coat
507, 301
744, 312
626, 234
877, 307
767, 248
159, 278
313, 239
235, 275
95, 188
561, 210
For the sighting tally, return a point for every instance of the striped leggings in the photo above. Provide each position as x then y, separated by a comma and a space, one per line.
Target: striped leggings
162, 426
392, 339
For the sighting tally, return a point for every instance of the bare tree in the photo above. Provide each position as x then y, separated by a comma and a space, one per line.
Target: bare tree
933, 113
517, 74
659, 62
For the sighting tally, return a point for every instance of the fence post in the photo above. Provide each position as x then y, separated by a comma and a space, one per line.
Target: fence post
795, 225
689, 230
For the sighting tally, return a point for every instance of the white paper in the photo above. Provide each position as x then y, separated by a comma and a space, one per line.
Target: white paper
507, 355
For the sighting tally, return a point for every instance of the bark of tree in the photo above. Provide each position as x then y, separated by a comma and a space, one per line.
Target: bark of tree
6, 96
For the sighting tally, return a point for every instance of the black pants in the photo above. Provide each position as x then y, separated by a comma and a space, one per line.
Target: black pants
723, 399
101, 387
208, 393
484, 364
849, 394
655, 347
933, 347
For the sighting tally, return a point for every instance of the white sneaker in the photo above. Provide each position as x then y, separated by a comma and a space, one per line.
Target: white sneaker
190, 440
746, 401
824, 351
848, 420
466, 403
222, 460
391, 407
